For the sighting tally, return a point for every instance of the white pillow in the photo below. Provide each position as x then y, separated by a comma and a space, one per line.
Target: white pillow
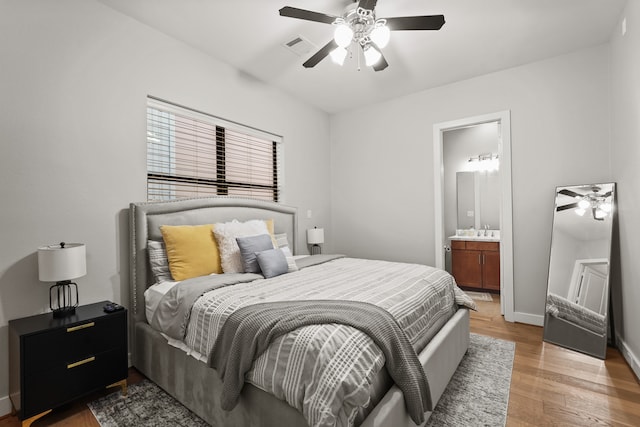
226, 233
281, 240
291, 262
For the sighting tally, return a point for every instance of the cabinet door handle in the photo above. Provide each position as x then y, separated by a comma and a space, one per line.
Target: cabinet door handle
482, 259
81, 362
77, 328
479, 261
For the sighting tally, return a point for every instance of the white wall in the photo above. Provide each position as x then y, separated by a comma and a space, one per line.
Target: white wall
74, 80
625, 158
382, 157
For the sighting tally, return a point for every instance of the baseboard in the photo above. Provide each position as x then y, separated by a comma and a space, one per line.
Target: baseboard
5, 406
529, 319
632, 359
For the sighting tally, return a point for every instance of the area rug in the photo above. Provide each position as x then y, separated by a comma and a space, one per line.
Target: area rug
479, 296
478, 395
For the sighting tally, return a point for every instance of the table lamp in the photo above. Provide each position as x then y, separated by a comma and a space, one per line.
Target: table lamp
62, 263
315, 237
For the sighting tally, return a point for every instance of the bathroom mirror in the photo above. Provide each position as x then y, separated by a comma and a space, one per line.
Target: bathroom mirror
577, 301
478, 199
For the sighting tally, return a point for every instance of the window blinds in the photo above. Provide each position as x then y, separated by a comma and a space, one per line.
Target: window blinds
192, 154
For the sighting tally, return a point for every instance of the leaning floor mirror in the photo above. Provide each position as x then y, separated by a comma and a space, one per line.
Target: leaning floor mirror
577, 303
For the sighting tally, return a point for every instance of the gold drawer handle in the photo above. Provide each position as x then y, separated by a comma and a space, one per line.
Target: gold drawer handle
77, 328
81, 362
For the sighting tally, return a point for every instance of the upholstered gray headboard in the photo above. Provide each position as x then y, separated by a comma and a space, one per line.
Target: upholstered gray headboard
146, 218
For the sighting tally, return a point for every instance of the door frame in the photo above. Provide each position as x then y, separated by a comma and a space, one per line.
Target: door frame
581, 265
503, 118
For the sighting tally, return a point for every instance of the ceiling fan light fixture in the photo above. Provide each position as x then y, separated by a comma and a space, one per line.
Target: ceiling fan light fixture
381, 34
580, 211
358, 25
606, 207
343, 34
371, 55
584, 204
338, 55
599, 214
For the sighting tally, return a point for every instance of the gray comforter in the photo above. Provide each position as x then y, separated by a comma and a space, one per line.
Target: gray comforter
326, 371
248, 332
173, 314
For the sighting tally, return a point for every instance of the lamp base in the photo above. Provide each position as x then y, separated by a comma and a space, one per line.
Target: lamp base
65, 306
316, 249
63, 312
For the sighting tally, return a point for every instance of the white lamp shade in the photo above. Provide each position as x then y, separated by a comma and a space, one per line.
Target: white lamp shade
371, 56
57, 263
343, 35
315, 236
338, 55
381, 35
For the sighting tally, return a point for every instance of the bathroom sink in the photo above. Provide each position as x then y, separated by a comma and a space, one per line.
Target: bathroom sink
479, 235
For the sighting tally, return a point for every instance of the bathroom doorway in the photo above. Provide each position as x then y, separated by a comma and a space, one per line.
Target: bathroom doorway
477, 143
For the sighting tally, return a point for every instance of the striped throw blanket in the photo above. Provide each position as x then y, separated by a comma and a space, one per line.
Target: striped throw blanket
326, 371
249, 331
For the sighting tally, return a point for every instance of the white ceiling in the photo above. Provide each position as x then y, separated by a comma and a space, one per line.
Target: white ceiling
479, 37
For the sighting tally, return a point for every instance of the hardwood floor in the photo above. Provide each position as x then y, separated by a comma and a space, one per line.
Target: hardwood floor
553, 386
550, 386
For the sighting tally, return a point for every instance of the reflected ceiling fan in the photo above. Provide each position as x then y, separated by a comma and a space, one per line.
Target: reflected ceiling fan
593, 200
359, 24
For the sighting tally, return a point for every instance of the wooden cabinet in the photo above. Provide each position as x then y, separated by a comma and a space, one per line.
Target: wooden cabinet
476, 264
54, 361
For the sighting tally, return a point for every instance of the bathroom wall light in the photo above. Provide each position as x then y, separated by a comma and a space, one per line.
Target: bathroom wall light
484, 163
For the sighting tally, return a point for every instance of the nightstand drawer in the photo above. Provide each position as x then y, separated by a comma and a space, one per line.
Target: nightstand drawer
72, 343
64, 382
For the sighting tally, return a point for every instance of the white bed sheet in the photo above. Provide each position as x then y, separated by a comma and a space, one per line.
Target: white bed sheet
153, 295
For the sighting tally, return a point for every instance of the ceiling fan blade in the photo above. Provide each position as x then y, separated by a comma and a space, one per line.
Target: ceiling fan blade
368, 4
607, 194
569, 193
307, 15
321, 54
429, 22
565, 207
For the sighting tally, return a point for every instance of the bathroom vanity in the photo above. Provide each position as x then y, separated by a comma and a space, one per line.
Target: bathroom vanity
475, 261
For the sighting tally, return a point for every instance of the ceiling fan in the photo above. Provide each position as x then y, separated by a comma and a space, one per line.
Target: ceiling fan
593, 200
358, 24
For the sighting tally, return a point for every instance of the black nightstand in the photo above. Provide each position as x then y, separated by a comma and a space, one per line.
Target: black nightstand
54, 361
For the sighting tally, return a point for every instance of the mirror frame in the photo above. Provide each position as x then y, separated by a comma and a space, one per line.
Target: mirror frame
566, 322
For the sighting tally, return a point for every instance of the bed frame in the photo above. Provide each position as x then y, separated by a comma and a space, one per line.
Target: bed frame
196, 385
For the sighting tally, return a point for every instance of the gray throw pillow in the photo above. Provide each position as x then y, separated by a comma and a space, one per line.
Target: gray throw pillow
249, 246
272, 262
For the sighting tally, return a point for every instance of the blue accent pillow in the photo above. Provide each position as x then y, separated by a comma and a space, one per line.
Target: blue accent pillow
272, 262
249, 246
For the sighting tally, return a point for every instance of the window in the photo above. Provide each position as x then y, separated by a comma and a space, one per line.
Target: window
192, 154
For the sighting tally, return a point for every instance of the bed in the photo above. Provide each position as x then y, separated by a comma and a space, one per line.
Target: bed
198, 386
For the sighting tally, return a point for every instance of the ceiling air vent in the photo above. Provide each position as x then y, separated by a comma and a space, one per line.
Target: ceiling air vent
300, 46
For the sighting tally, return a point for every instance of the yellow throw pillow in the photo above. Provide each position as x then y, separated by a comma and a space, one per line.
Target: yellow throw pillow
271, 230
192, 250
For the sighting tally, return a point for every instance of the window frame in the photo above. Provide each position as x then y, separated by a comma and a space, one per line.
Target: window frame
219, 185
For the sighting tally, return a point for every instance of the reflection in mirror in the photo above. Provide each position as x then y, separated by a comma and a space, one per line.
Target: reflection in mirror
478, 199
578, 287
